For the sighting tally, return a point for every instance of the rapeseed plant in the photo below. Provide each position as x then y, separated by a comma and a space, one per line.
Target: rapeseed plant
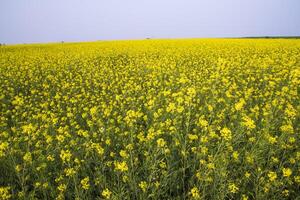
153, 119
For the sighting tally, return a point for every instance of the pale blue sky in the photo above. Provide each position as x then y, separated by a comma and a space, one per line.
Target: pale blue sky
27, 21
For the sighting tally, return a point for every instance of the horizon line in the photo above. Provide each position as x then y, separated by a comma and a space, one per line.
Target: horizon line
154, 38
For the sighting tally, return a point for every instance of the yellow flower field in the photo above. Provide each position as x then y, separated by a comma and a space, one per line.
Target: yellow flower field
151, 119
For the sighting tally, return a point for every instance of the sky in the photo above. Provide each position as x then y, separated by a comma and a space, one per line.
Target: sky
34, 21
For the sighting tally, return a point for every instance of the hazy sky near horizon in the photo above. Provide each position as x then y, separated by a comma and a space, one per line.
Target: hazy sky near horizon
30, 21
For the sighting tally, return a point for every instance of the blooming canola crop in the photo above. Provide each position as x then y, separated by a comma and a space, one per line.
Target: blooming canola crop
151, 119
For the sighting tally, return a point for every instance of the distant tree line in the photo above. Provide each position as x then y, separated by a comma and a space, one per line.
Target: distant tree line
273, 37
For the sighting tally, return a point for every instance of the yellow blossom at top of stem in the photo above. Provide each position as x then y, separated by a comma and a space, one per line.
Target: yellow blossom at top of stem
85, 183
195, 193
161, 142
248, 122
272, 176
286, 172
240, 104
202, 122
106, 193
65, 156
233, 188
124, 154
143, 185
5, 193
226, 133
192, 137
121, 166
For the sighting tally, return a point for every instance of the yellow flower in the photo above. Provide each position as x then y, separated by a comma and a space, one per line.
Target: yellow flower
195, 193
129, 147
108, 141
192, 137
3, 148
50, 158
233, 188
239, 105
121, 166
171, 107
93, 111
27, 157
286, 172
247, 174
163, 165
125, 178
69, 172
4, 193
292, 160
98, 149
106, 193
191, 92
85, 183
248, 122
37, 184
290, 111
180, 109
18, 168
249, 158
202, 122
288, 128
18, 101
272, 176
211, 166
65, 155
252, 139
235, 155
157, 184
143, 185
161, 142
60, 138
271, 140
124, 154
62, 187
286, 193
297, 179
292, 140
45, 185
226, 133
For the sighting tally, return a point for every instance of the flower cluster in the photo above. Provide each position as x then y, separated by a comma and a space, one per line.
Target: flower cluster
151, 119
